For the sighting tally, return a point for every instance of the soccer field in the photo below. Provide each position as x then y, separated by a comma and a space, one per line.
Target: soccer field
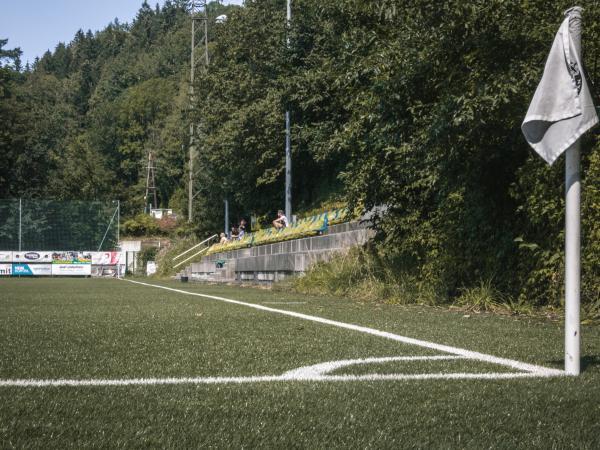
111, 363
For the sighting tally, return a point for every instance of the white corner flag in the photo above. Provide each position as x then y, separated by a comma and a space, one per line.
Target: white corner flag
560, 112
562, 108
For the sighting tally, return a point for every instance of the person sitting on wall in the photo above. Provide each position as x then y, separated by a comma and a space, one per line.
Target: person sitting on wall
242, 229
281, 221
224, 239
234, 233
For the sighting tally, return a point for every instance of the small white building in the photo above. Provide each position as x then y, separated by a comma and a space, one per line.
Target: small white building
160, 213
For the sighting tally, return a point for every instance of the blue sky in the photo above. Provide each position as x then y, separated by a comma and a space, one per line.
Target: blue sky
39, 25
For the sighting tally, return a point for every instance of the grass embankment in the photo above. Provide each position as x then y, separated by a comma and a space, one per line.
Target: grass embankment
165, 261
88, 328
363, 275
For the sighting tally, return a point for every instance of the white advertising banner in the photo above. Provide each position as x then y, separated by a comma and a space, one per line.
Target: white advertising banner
32, 257
72, 269
131, 246
30, 270
6, 257
106, 258
5, 270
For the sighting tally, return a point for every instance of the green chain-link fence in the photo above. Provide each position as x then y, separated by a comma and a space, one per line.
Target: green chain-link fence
27, 224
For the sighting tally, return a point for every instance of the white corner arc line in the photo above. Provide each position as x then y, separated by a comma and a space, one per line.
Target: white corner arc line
518, 365
329, 366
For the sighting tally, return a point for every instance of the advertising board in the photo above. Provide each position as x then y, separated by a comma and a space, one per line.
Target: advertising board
5, 270
72, 269
29, 270
6, 257
71, 258
32, 257
106, 258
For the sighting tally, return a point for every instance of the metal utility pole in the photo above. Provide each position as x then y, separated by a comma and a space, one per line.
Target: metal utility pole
198, 13
226, 218
150, 183
118, 223
20, 222
288, 145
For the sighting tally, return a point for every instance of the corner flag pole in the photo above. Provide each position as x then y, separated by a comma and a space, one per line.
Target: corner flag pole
561, 111
573, 231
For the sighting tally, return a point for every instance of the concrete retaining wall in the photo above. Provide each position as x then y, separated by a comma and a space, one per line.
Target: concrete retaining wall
273, 262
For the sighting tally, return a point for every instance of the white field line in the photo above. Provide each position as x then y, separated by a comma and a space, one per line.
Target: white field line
264, 379
319, 372
518, 365
284, 303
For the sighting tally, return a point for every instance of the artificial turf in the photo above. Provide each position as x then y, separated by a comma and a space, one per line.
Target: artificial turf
87, 328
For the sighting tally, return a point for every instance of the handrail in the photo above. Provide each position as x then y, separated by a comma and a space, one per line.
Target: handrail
193, 256
195, 246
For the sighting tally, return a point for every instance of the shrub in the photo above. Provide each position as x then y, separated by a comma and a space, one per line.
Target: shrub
141, 225
167, 224
145, 255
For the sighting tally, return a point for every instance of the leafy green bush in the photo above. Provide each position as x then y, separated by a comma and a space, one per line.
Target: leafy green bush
141, 225
185, 230
145, 255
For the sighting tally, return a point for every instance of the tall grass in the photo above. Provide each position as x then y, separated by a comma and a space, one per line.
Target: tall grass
484, 297
361, 274
591, 313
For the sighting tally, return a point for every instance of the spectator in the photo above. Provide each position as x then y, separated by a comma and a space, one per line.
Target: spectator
224, 239
281, 221
242, 229
234, 233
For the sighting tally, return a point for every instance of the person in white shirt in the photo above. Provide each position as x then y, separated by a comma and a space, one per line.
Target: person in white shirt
242, 229
281, 221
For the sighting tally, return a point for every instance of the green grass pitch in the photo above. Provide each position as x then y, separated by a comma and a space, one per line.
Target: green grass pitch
88, 329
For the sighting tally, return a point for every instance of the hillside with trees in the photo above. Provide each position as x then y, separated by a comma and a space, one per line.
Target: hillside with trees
413, 107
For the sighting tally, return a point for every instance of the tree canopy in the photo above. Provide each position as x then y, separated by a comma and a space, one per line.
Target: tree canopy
410, 106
